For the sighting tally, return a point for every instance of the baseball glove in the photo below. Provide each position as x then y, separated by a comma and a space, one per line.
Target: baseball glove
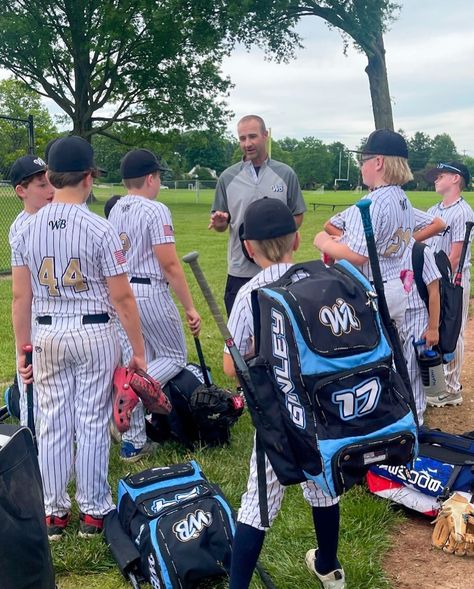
210, 405
124, 398
150, 392
454, 526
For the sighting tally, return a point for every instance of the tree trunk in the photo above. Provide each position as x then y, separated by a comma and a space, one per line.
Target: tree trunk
378, 82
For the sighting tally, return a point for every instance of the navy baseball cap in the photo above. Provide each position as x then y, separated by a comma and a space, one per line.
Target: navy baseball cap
48, 147
385, 142
140, 162
71, 154
449, 168
109, 205
267, 218
24, 167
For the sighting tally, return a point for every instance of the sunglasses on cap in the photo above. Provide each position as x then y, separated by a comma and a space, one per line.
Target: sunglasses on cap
449, 168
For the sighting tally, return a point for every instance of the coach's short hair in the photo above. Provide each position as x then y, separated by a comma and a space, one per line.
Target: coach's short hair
63, 179
259, 120
396, 170
275, 249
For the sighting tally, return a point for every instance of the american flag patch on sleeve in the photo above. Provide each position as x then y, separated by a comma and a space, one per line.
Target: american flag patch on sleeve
168, 231
120, 257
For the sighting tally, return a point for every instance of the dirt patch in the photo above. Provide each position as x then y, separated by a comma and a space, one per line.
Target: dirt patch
411, 562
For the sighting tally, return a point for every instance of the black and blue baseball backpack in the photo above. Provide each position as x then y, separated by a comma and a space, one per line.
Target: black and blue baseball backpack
179, 524
324, 396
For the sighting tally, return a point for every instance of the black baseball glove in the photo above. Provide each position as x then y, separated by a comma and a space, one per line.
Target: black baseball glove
213, 405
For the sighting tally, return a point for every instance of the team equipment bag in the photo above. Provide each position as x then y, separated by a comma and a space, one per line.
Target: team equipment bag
326, 401
24, 548
200, 413
445, 464
451, 294
180, 524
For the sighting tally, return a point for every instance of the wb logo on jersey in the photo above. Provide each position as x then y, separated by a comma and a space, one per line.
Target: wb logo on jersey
359, 401
192, 525
57, 224
341, 317
282, 372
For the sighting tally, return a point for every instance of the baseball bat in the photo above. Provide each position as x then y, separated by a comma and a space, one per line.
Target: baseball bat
465, 244
389, 323
28, 350
240, 365
202, 362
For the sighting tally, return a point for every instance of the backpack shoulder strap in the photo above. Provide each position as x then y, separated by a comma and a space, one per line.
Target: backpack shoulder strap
418, 262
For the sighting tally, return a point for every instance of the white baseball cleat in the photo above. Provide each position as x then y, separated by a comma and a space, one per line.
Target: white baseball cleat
334, 580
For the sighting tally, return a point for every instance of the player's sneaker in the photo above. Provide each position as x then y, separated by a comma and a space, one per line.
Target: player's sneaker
56, 525
129, 453
89, 525
454, 398
333, 580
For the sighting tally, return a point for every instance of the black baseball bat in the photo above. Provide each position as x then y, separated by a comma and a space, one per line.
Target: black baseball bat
202, 362
458, 276
28, 350
389, 323
240, 365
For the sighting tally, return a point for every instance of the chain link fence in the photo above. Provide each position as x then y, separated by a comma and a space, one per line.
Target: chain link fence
16, 140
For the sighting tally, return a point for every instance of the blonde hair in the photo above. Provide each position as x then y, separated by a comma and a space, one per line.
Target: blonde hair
137, 183
275, 249
396, 170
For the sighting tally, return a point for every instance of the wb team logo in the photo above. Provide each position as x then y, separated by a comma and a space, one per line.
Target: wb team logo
282, 372
192, 525
359, 401
341, 317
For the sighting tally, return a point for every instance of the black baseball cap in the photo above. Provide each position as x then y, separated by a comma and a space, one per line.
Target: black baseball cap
140, 162
24, 167
109, 205
385, 142
268, 218
71, 154
449, 168
48, 147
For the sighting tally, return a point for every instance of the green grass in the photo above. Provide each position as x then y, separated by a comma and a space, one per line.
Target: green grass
366, 521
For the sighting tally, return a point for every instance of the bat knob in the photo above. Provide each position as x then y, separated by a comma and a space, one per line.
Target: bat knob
188, 258
27, 348
363, 204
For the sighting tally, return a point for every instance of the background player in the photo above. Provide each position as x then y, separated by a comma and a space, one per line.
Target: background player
271, 245
450, 179
146, 230
252, 178
69, 263
28, 178
384, 168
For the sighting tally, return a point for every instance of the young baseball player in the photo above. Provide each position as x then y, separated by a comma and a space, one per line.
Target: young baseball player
28, 178
146, 230
271, 245
384, 168
450, 179
69, 272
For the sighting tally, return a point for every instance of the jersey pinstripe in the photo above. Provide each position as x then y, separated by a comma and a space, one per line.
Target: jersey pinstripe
393, 221
240, 325
70, 252
17, 225
416, 323
142, 224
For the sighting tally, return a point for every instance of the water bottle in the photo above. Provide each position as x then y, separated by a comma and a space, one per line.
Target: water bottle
432, 373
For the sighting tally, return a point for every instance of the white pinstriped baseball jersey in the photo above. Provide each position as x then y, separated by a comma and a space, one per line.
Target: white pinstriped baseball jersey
455, 216
142, 223
18, 225
240, 325
393, 221
69, 251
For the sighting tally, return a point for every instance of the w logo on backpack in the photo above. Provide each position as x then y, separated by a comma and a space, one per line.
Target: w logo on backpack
341, 317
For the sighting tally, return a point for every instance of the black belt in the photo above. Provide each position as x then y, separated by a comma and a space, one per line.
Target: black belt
137, 280
86, 319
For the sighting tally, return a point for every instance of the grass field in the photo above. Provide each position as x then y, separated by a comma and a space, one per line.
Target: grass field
366, 521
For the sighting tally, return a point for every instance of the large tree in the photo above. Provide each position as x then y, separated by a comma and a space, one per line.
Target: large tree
362, 22
109, 61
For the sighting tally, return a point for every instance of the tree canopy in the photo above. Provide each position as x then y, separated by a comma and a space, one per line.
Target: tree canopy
109, 61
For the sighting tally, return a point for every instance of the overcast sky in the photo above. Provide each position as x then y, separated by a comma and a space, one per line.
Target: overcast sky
430, 62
